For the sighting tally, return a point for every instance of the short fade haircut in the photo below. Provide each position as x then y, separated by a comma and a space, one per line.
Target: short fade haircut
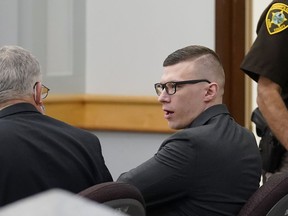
207, 60
189, 53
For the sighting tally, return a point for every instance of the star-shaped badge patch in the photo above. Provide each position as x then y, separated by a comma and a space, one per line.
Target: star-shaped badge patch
277, 18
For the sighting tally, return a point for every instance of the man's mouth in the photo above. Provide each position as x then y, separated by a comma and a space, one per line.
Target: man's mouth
168, 113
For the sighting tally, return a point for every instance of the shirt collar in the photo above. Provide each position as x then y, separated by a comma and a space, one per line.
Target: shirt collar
16, 108
209, 113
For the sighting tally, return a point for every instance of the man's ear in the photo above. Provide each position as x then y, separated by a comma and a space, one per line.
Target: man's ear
211, 92
37, 93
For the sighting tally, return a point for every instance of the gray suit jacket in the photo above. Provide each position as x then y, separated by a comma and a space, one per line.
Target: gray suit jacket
210, 168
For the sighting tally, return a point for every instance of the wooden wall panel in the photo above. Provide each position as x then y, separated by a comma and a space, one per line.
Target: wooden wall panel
100, 112
230, 45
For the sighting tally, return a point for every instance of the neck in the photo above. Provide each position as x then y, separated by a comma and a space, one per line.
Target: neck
3, 107
10, 103
38, 106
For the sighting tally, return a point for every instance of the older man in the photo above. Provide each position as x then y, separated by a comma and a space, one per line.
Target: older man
38, 152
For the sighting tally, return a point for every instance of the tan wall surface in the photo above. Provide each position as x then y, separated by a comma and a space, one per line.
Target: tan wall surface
101, 112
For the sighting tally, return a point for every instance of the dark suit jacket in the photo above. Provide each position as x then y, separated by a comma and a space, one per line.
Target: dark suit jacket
38, 153
210, 168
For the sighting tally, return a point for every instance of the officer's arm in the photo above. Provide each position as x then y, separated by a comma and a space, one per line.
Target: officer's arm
273, 108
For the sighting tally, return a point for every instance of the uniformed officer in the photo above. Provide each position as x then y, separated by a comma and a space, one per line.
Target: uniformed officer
267, 64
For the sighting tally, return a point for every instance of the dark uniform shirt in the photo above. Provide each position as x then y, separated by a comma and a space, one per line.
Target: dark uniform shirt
268, 55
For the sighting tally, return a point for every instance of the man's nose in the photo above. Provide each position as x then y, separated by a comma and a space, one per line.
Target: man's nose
164, 96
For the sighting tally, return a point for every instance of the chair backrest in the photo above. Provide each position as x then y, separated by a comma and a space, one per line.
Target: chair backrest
117, 195
267, 196
56, 202
280, 209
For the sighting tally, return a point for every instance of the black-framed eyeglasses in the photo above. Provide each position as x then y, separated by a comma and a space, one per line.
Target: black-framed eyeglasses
44, 90
170, 87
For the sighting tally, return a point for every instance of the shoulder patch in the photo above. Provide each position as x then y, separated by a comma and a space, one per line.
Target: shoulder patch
277, 18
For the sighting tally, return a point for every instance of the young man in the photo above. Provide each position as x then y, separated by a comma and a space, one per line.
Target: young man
38, 152
212, 165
